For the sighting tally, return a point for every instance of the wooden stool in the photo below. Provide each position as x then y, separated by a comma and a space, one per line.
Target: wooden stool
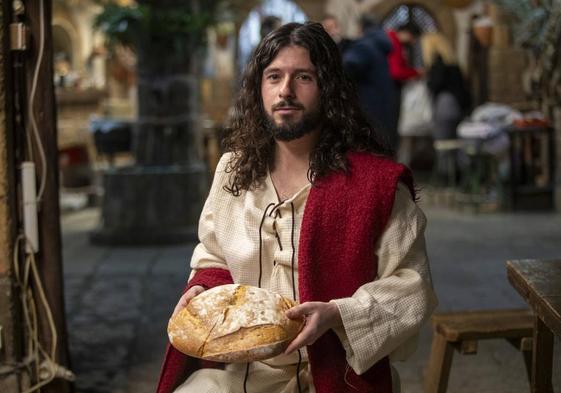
445, 168
462, 331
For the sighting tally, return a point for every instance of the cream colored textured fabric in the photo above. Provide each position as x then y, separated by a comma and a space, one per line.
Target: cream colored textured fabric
381, 318
262, 378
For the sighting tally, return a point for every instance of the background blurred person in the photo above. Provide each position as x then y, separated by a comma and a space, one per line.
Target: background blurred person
366, 63
331, 25
451, 98
435, 43
401, 71
268, 24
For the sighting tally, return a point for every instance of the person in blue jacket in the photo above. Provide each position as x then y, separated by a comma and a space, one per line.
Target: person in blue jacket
366, 63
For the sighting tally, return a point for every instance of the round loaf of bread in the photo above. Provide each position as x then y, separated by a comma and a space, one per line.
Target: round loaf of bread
234, 323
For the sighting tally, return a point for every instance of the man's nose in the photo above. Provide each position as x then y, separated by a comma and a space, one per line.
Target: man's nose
286, 89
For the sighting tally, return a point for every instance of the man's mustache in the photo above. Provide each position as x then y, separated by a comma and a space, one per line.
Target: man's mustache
287, 104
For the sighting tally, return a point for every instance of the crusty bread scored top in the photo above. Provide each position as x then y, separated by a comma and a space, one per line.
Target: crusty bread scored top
234, 323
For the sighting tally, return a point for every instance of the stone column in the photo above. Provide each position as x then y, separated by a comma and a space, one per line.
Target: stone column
159, 200
557, 166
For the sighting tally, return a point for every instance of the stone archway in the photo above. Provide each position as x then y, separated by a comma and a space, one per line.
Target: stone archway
66, 39
62, 43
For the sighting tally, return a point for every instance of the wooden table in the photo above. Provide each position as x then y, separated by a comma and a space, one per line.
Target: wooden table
539, 283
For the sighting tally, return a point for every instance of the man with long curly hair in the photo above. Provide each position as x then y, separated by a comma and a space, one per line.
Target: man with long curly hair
307, 203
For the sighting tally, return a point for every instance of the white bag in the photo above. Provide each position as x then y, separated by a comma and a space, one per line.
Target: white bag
416, 110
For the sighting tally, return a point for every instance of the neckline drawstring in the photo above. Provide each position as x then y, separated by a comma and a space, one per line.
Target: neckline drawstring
292, 260
277, 213
276, 209
246, 378
261, 243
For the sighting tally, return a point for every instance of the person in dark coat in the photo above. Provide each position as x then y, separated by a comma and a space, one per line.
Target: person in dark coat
451, 98
451, 103
366, 63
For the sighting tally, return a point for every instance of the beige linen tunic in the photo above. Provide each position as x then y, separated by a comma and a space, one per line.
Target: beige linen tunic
381, 318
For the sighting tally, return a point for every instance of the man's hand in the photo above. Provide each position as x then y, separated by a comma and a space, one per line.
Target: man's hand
320, 317
186, 298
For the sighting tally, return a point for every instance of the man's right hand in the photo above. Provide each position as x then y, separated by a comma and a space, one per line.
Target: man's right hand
186, 298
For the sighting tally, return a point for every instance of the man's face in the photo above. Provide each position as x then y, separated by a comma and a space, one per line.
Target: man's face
290, 94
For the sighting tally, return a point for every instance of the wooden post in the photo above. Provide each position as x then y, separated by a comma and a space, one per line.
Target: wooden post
542, 358
10, 318
50, 254
438, 372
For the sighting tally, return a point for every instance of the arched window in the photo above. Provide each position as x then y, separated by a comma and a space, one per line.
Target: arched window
417, 14
405, 13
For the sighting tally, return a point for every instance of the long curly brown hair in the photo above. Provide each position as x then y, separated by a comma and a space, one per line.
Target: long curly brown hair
344, 126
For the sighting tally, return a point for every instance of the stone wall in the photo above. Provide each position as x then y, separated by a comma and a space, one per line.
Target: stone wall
506, 64
557, 125
507, 67
74, 109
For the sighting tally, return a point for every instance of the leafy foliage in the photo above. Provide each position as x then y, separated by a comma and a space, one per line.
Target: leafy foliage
119, 24
537, 27
171, 20
531, 20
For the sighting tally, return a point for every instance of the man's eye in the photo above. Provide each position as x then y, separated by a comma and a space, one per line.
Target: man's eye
305, 77
273, 77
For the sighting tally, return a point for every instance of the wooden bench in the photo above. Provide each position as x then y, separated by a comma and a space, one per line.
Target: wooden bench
445, 168
462, 331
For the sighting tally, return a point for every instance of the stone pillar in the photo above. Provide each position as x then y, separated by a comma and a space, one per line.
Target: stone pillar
557, 138
159, 200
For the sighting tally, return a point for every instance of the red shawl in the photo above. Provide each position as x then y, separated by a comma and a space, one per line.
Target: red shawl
345, 214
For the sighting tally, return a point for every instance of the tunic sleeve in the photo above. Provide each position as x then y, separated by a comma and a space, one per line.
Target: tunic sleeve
384, 315
208, 253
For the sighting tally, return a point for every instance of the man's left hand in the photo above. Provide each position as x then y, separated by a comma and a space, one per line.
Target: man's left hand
320, 317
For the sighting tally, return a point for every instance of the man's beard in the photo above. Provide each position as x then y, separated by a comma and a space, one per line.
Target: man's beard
288, 130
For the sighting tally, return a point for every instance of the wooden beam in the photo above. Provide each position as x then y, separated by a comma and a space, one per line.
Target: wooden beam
50, 254
10, 317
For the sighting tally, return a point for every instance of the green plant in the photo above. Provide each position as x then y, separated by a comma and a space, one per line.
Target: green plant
118, 23
530, 18
537, 27
172, 20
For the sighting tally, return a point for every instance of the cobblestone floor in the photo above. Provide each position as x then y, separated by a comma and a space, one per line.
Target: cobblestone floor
118, 299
